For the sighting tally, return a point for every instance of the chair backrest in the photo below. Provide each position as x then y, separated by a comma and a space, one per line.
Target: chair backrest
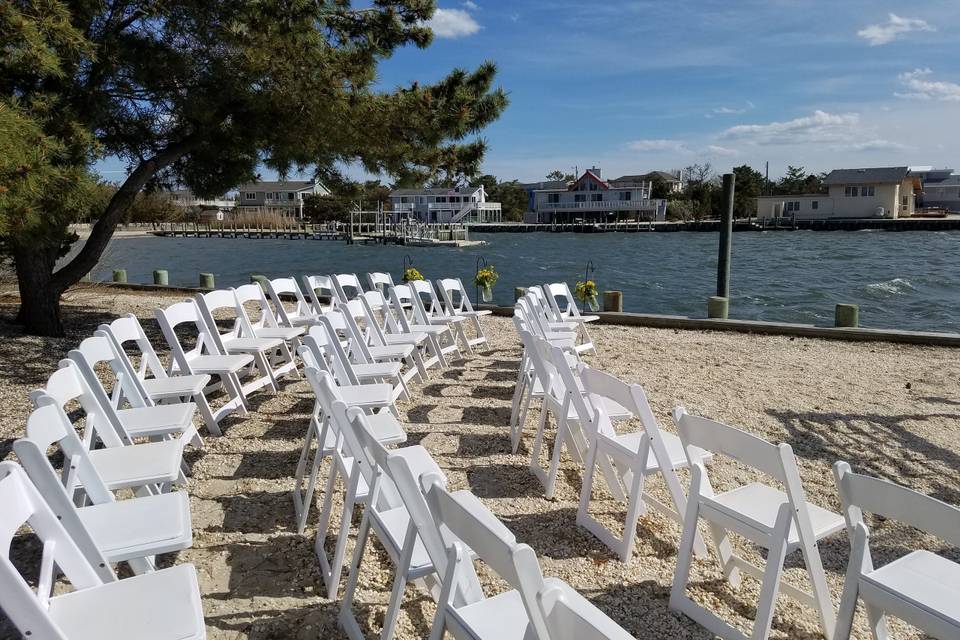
380, 281
538, 351
322, 339
367, 321
470, 521
347, 286
371, 455
454, 295
73, 382
360, 344
279, 287
185, 313
859, 493
209, 304
20, 504
253, 293
426, 296
599, 384
127, 329
100, 349
561, 300
316, 286
403, 298
381, 309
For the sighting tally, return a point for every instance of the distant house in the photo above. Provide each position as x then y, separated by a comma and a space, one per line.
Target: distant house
532, 187
442, 204
207, 208
674, 183
592, 199
278, 197
881, 192
941, 188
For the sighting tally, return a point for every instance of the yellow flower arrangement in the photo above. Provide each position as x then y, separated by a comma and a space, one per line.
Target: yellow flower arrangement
586, 290
486, 277
411, 274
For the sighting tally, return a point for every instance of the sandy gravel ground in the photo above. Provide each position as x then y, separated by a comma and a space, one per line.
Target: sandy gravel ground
890, 410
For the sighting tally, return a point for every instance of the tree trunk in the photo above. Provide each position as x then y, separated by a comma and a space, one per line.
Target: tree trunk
39, 298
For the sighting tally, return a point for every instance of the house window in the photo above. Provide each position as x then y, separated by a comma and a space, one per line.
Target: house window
850, 192
596, 197
441, 198
579, 198
403, 200
249, 196
906, 201
553, 198
289, 195
866, 191
815, 204
625, 195
593, 186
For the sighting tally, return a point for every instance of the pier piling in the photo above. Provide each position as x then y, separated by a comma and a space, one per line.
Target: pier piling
847, 315
206, 281
161, 277
726, 236
119, 275
613, 301
718, 307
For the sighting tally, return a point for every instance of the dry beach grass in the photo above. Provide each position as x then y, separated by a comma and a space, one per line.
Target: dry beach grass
890, 410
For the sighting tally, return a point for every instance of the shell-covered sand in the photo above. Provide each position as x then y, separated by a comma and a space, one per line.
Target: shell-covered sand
890, 410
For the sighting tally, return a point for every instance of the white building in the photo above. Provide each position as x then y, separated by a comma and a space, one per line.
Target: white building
460, 204
882, 192
207, 208
941, 188
592, 199
278, 196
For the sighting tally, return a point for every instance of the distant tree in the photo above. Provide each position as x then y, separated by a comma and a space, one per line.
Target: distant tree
489, 183
748, 184
659, 187
513, 200
556, 174
331, 208
792, 183
201, 93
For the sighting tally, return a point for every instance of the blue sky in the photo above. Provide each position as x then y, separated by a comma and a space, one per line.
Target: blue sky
632, 86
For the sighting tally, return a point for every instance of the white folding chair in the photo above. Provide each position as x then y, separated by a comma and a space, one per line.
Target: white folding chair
346, 286
156, 384
148, 467
131, 530
627, 459
536, 607
354, 363
142, 418
560, 299
380, 281
388, 332
457, 303
781, 522
429, 310
302, 312
162, 605
321, 438
205, 358
370, 338
922, 588
266, 325
385, 515
443, 341
316, 287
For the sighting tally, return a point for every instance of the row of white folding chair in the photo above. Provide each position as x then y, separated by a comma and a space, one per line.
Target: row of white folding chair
456, 302
561, 302
550, 322
206, 357
409, 316
369, 341
429, 310
162, 605
424, 533
107, 531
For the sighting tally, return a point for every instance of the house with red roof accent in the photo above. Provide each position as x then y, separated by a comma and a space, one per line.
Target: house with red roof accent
590, 198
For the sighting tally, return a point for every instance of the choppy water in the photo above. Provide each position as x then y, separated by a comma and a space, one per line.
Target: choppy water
903, 280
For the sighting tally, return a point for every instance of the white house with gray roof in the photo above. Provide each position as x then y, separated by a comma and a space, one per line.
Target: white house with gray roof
590, 198
284, 197
446, 205
877, 192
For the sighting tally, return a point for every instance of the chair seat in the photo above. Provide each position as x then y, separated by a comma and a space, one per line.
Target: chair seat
614, 410
218, 364
446, 319
139, 464
584, 318
392, 527
283, 333
140, 527
433, 329
159, 420
414, 338
502, 617
384, 426
575, 617
163, 605
926, 580
475, 314
757, 504
673, 444
367, 395
175, 386
391, 351
377, 370
304, 321
252, 345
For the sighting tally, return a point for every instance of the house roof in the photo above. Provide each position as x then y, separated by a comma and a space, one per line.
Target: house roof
589, 174
870, 175
278, 185
550, 185
664, 175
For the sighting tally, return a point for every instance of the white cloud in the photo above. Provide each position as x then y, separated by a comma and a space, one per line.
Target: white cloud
819, 127
452, 23
878, 144
920, 88
723, 152
469, 5
657, 145
878, 34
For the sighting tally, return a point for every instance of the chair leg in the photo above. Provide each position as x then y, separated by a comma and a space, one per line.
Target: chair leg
340, 550
399, 583
347, 620
562, 430
538, 440
204, 407
771, 575
681, 576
